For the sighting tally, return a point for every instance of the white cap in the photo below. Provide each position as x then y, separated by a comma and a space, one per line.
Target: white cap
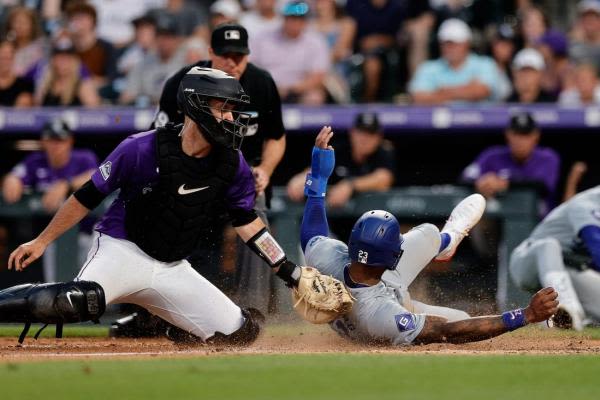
589, 5
529, 58
454, 30
227, 8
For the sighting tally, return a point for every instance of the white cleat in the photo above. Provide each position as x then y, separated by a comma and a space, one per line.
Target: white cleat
465, 215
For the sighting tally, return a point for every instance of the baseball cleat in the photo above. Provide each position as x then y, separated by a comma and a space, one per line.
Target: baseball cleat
566, 318
462, 219
140, 324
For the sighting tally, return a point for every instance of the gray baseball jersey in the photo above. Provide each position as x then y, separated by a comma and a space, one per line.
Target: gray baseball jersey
565, 221
377, 314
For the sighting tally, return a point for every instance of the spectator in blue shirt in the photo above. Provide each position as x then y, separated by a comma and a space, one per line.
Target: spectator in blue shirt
459, 75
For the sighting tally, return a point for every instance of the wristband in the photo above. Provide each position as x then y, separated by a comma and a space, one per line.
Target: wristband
514, 319
322, 164
289, 273
267, 248
315, 187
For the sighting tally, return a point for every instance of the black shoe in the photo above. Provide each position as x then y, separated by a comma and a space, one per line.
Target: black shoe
244, 336
140, 324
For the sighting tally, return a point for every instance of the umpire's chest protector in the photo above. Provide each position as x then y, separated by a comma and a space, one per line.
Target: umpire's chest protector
168, 222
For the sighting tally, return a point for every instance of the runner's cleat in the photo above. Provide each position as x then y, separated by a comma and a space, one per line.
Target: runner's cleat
464, 217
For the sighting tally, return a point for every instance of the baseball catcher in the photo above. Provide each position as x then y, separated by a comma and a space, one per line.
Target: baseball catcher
173, 182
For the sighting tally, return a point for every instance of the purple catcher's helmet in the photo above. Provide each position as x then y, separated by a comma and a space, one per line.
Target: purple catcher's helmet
376, 240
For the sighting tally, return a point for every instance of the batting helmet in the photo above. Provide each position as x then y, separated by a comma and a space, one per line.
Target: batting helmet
376, 240
197, 88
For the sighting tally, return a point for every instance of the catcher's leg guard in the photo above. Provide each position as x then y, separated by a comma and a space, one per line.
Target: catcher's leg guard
244, 336
52, 303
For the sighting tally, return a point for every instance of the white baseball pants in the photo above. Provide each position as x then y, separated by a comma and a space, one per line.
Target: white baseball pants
173, 291
421, 245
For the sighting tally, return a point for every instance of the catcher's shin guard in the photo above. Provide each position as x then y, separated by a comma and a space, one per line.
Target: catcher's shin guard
244, 336
52, 303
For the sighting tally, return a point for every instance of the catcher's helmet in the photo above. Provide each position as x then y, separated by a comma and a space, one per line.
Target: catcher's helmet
376, 240
197, 88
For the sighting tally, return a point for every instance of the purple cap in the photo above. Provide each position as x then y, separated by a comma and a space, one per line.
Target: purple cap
556, 41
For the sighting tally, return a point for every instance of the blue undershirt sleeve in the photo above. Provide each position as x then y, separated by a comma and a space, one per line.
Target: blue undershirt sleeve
314, 220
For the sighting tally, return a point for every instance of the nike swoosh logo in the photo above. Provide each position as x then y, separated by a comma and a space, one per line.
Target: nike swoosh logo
182, 190
69, 298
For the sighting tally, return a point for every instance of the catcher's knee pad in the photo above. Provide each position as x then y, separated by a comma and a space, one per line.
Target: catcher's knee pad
52, 303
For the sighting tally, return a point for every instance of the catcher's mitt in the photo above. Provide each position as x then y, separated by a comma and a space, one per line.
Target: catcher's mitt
320, 298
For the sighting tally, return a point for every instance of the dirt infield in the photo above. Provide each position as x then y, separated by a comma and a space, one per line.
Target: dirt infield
304, 340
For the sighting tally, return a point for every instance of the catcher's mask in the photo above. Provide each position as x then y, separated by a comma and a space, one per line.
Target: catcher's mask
376, 240
196, 90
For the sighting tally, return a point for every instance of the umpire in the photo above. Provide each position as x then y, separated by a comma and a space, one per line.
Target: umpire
263, 145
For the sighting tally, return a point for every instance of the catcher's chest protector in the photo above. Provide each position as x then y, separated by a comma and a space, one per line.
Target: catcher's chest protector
168, 222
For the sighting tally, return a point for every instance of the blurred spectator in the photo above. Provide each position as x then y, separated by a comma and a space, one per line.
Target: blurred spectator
263, 16
296, 56
224, 12
533, 23
14, 90
195, 49
574, 178
503, 50
585, 47
521, 161
586, 90
476, 13
23, 28
528, 68
144, 43
62, 82
146, 79
367, 163
114, 19
56, 171
419, 25
377, 25
459, 75
190, 19
96, 54
554, 47
338, 30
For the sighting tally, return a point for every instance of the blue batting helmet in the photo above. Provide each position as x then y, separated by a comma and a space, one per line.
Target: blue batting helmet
376, 240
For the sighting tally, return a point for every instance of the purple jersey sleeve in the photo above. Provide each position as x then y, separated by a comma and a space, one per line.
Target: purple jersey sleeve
241, 194
551, 170
477, 168
87, 160
117, 169
25, 169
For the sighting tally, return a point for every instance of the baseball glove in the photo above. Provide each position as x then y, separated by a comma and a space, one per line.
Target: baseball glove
320, 298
